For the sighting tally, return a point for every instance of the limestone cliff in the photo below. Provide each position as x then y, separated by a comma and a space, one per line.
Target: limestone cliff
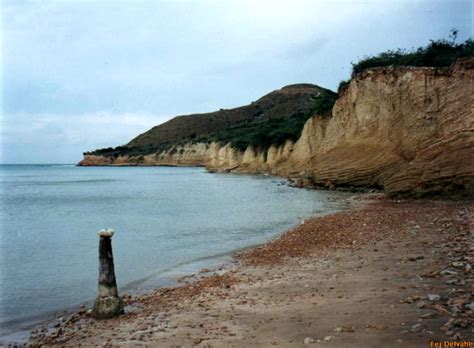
408, 130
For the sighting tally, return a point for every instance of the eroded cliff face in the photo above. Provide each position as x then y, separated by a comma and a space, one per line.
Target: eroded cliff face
408, 130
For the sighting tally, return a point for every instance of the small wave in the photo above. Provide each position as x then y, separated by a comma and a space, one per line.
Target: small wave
169, 276
62, 165
59, 182
80, 181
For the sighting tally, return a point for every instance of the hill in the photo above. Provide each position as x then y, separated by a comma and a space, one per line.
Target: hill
271, 120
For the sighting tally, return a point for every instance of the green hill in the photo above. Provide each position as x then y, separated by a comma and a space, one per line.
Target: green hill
272, 119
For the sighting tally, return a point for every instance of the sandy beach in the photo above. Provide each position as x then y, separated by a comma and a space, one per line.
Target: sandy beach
389, 273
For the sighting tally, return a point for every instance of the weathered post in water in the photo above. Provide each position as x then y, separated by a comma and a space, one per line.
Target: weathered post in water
108, 303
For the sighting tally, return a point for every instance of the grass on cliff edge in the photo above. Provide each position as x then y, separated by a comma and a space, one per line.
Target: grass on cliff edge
440, 53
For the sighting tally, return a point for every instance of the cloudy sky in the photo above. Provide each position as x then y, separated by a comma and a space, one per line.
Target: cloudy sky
81, 75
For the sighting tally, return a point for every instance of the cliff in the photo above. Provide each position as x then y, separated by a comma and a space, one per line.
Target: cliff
407, 130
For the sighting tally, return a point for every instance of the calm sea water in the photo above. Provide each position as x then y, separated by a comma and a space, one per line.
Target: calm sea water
167, 221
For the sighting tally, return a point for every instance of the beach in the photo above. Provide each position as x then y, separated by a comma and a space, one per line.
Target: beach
169, 222
392, 273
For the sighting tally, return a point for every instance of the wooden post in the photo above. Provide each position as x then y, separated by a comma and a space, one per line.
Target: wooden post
108, 303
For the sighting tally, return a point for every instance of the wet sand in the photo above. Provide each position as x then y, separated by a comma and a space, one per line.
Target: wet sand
389, 273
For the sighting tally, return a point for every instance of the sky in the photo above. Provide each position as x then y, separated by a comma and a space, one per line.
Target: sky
82, 75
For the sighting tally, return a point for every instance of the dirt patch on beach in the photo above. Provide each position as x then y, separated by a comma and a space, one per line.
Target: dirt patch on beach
388, 274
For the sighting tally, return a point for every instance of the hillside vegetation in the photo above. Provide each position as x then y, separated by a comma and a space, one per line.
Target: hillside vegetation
440, 53
272, 119
262, 132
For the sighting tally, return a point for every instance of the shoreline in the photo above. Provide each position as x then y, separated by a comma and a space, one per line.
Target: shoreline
159, 316
18, 330
18, 333
22, 317
295, 180
168, 278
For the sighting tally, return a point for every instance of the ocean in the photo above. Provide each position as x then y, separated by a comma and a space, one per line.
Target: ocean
168, 222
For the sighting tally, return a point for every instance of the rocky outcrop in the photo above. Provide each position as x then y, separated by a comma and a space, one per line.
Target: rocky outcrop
407, 130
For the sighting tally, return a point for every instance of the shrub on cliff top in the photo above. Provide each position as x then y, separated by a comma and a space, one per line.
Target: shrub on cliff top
438, 53
343, 85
